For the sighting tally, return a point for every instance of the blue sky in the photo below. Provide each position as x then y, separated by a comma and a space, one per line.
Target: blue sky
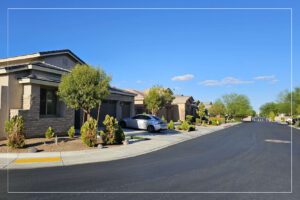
203, 53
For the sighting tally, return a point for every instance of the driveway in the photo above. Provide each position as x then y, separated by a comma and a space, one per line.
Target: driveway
250, 157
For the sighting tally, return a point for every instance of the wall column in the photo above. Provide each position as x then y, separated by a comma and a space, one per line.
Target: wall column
118, 110
132, 109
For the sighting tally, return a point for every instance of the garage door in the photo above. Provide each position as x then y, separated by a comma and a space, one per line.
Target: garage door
125, 109
107, 108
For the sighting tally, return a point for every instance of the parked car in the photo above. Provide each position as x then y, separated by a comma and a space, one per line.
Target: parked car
292, 121
247, 119
145, 122
289, 121
295, 120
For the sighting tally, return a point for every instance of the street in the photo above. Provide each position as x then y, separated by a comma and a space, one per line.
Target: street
228, 164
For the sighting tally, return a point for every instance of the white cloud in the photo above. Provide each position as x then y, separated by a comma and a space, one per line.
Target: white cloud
270, 78
224, 81
265, 78
139, 82
185, 77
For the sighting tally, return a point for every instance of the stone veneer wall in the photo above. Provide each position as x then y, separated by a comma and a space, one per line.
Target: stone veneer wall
34, 124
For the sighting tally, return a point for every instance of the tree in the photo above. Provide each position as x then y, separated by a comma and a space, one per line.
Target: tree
253, 113
84, 88
272, 116
217, 108
158, 97
201, 110
237, 106
267, 108
288, 100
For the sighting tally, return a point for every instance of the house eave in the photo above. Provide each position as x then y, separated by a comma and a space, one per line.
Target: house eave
38, 82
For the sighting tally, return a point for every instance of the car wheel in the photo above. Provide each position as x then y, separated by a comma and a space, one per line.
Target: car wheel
123, 124
150, 129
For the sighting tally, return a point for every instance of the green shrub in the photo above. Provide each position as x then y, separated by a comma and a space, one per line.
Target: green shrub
171, 125
49, 133
191, 128
113, 133
71, 132
163, 119
198, 121
183, 126
297, 124
14, 129
189, 119
215, 121
89, 132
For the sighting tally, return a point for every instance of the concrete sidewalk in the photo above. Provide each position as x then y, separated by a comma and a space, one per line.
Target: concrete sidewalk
157, 141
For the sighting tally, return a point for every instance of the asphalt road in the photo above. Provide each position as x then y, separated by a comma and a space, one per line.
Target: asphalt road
243, 158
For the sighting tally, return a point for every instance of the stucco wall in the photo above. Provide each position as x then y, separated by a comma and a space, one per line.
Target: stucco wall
3, 103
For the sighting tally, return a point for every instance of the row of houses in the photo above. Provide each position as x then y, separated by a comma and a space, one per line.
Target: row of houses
28, 85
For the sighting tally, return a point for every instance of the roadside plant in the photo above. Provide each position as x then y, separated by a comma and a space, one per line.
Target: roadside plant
163, 119
49, 133
237, 106
272, 116
191, 128
216, 121
171, 125
84, 88
183, 126
88, 132
14, 129
297, 124
113, 133
198, 121
217, 108
71, 132
201, 111
189, 119
158, 97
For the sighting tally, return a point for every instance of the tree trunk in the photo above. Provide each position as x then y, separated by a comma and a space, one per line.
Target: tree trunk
83, 117
98, 114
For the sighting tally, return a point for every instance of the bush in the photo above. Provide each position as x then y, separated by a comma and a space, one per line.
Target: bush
297, 124
191, 128
163, 119
189, 119
113, 133
183, 126
216, 121
171, 125
49, 133
89, 132
14, 129
71, 132
198, 121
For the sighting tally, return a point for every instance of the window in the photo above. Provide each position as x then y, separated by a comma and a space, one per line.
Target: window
141, 117
48, 102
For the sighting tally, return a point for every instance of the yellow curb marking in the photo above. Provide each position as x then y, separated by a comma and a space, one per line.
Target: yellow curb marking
37, 160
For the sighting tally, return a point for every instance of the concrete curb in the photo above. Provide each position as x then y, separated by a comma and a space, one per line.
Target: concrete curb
68, 158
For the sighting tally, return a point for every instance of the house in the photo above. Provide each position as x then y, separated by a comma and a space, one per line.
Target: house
28, 86
180, 107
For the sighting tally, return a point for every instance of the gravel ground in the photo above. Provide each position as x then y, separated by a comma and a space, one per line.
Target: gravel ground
64, 144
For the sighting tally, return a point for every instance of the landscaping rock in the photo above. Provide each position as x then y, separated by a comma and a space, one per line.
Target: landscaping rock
125, 142
32, 150
100, 146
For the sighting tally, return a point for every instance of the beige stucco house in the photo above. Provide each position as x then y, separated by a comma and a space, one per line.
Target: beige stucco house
28, 85
180, 108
